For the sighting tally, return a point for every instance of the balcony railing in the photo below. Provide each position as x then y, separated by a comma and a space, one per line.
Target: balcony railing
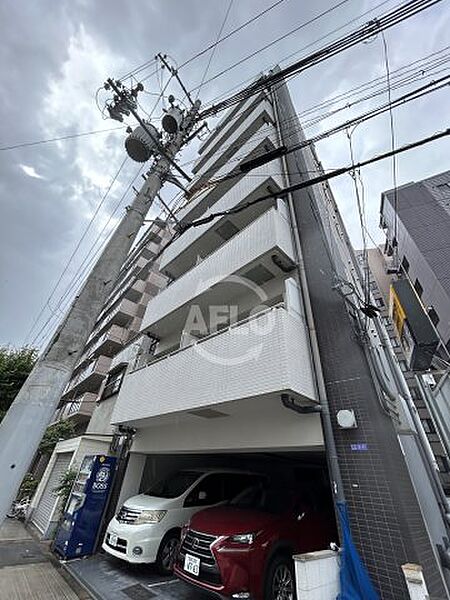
107, 344
121, 315
80, 408
90, 378
266, 135
262, 113
257, 357
248, 186
269, 234
126, 356
231, 119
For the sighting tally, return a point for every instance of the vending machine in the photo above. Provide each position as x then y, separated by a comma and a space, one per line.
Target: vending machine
77, 534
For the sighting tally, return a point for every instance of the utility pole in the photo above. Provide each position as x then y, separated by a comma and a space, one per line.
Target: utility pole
28, 417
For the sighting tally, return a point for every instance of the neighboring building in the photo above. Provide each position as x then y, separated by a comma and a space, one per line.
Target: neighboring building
228, 347
100, 370
417, 227
380, 285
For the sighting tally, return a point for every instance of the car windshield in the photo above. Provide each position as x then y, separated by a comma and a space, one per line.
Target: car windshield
173, 486
263, 499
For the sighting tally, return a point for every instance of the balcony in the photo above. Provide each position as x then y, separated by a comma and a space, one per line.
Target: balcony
260, 114
90, 378
258, 358
255, 249
121, 315
80, 409
107, 344
264, 140
231, 119
126, 355
202, 240
131, 289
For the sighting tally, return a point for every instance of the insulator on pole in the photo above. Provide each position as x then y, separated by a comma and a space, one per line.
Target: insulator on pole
172, 120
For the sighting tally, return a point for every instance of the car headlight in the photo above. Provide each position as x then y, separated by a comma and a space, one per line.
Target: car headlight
150, 516
243, 538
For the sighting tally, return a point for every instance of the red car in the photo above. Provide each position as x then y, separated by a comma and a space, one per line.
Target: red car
244, 549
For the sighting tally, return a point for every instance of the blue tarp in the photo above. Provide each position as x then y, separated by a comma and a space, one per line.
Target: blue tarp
355, 581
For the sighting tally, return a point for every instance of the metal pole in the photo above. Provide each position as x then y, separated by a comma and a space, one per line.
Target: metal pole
28, 417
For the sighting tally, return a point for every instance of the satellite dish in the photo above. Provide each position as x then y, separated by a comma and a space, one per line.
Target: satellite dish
172, 120
140, 145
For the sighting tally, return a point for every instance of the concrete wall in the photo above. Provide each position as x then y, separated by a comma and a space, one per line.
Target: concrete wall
101, 417
246, 425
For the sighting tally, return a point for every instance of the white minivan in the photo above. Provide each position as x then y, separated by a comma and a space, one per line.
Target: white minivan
147, 527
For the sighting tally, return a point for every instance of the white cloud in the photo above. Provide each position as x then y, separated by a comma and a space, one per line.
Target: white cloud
31, 172
69, 107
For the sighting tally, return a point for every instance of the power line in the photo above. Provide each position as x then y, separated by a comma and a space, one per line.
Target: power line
392, 134
320, 179
214, 47
408, 97
228, 35
313, 43
147, 64
276, 41
367, 31
58, 139
105, 195
81, 269
403, 81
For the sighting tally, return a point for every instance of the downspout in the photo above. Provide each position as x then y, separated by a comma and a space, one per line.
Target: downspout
290, 403
330, 443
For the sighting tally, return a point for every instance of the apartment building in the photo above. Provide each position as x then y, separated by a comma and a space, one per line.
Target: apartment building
227, 375
380, 281
100, 370
416, 222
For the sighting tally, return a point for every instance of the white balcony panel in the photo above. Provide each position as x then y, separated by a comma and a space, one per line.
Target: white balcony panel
261, 113
270, 231
206, 198
268, 174
225, 126
126, 355
263, 356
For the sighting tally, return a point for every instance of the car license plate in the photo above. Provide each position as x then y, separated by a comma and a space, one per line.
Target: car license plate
113, 539
192, 564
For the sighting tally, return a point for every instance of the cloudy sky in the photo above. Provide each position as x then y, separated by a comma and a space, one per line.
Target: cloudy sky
55, 55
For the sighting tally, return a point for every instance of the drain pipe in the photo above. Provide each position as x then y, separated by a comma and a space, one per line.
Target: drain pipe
330, 443
290, 403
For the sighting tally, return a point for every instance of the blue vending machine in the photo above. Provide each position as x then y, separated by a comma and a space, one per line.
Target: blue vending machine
77, 534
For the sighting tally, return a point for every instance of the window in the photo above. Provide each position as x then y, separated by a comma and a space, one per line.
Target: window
418, 287
113, 384
235, 483
405, 264
428, 426
379, 302
208, 491
442, 462
434, 317
173, 486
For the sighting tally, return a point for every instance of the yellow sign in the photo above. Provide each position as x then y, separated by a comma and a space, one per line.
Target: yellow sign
396, 311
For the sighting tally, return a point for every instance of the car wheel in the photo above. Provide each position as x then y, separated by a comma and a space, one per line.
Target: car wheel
167, 553
280, 581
